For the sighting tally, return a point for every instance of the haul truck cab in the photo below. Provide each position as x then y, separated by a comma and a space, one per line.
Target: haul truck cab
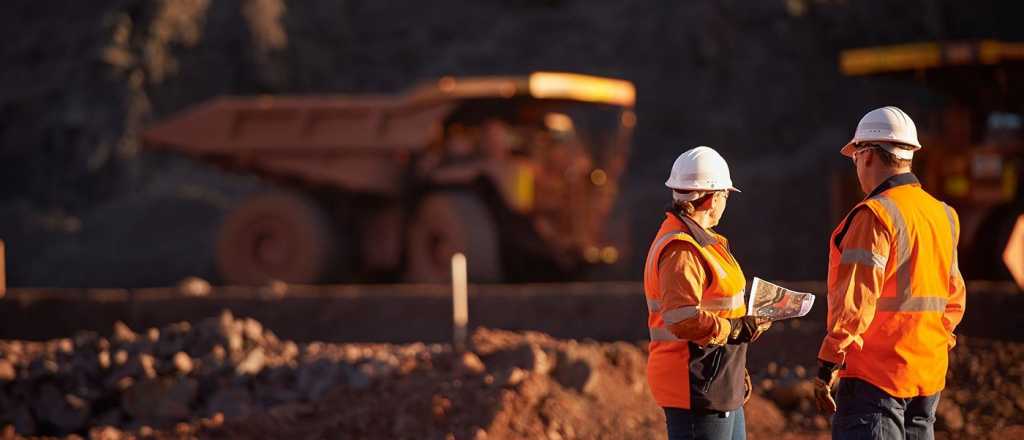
973, 149
517, 172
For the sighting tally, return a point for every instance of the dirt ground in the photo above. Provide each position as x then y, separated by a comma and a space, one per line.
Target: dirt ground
228, 377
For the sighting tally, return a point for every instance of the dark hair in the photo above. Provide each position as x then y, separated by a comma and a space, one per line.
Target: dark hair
687, 208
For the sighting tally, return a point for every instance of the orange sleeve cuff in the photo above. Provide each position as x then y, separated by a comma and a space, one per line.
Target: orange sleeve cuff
829, 353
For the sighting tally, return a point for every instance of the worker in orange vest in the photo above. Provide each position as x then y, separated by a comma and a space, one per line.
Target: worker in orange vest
696, 312
895, 293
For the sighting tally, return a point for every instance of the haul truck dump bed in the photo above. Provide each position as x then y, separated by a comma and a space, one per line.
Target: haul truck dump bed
518, 172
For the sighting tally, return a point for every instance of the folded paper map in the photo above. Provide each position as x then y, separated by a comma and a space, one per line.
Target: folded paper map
774, 302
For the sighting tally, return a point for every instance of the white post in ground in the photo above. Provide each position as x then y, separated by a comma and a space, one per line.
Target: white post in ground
460, 306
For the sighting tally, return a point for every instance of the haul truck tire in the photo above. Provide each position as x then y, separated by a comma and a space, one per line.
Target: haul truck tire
275, 235
446, 223
984, 259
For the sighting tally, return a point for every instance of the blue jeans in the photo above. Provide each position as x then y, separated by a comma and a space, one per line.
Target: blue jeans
684, 424
866, 412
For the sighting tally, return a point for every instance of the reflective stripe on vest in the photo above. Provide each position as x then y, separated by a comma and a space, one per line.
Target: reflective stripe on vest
904, 301
679, 315
710, 304
952, 230
864, 257
653, 305
653, 259
662, 334
723, 303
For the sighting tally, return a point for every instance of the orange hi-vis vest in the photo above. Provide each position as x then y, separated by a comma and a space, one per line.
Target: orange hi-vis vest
682, 374
905, 347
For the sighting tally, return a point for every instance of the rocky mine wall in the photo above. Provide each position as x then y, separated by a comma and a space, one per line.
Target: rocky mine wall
758, 81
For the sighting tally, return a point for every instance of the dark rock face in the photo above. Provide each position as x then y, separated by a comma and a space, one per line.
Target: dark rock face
759, 82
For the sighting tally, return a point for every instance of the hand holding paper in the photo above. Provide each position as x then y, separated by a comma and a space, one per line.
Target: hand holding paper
776, 303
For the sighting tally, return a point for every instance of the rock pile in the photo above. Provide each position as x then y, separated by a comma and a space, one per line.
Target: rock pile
984, 385
228, 376
507, 385
159, 377
985, 388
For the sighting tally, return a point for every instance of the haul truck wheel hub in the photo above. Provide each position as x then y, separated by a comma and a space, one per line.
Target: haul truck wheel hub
272, 251
275, 236
448, 222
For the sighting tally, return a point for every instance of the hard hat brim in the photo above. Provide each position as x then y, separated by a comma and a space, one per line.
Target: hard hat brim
730, 188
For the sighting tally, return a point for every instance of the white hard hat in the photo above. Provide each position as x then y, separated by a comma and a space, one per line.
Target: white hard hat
889, 125
700, 169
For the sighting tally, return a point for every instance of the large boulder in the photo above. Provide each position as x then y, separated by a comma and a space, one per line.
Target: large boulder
161, 401
66, 413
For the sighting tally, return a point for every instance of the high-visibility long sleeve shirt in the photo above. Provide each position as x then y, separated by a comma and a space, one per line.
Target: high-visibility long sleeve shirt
853, 297
683, 278
854, 294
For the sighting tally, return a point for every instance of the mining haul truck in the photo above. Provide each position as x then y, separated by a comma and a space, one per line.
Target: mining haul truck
973, 151
519, 173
